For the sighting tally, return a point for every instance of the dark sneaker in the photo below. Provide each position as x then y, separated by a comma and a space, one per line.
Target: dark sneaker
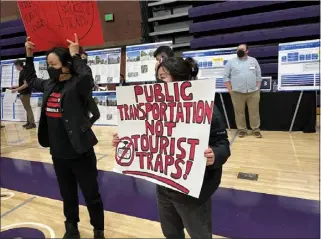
25, 125
71, 231
2, 126
242, 134
257, 134
99, 234
31, 126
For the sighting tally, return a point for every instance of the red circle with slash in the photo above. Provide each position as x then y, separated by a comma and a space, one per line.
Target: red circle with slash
120, 155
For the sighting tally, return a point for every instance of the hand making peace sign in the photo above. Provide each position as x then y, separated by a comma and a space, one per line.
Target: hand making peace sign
74, 46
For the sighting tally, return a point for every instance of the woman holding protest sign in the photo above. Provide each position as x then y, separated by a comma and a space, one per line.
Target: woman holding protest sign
65, 128
177, 210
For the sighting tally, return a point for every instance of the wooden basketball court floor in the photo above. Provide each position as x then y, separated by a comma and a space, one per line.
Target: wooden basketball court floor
282, 202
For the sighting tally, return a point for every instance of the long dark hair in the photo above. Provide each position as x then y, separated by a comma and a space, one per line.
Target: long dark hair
63, 55
178, 68
194, 68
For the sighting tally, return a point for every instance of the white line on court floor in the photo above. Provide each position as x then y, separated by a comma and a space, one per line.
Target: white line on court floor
18, 206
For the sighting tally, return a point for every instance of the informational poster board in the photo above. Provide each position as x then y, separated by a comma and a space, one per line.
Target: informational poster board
140, 62
211, 64
105, 65
299, 66
40, 64
16, 112
164, 131
107, 105
106, 101
10, 76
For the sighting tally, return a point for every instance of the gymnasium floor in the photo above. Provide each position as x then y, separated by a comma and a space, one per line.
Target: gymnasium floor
282, 203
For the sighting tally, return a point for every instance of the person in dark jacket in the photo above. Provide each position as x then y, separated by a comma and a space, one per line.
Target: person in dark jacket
65, 128
177, 210
91, 104
24, 94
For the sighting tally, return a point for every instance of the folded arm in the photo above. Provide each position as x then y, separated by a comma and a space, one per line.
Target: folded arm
85, 83
94, 110
218, 141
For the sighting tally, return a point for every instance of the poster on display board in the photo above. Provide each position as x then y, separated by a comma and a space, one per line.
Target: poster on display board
106, 101
16, 112
140, 61
107, 105
163, 135
211, 64
299, 66
10, 75
105, 65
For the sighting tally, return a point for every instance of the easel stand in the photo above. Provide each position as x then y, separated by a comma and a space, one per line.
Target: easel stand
227, 121
296, 111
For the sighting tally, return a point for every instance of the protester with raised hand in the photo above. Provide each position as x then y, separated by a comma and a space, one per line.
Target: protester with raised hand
65, 128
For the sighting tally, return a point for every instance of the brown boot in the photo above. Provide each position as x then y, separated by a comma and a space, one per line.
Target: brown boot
31, 126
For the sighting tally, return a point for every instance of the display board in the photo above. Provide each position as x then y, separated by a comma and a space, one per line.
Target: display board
299, 66
105, 65
107, 104
10, 76
140, 61
211, 64
16, 112
106, 101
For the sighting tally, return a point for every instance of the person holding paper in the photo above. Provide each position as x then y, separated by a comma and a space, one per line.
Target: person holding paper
242, 78
65, 128
24, 94
177, 210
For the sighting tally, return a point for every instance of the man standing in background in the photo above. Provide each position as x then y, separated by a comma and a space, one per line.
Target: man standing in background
161, 53
25, 94
242, 78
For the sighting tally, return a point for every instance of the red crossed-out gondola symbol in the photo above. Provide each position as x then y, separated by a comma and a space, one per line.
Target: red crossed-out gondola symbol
124, 154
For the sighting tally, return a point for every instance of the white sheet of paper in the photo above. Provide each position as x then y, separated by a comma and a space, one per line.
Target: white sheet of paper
9, 97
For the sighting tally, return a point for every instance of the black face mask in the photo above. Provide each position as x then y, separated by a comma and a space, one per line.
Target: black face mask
54, 73
240, 53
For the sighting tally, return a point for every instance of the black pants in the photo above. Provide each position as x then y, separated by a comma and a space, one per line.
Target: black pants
82, 171
178, 211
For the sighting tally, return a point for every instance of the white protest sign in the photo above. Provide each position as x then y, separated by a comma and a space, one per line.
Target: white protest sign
164, 131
